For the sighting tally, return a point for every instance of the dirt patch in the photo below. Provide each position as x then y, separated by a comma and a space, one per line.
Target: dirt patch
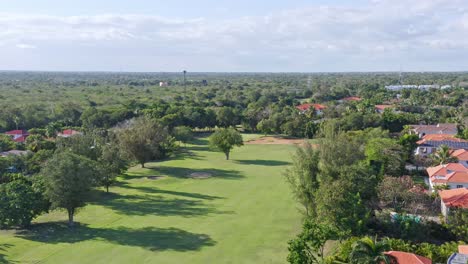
199, 175
155, 177
276, 141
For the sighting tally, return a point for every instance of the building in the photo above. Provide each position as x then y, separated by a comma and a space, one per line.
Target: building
163, 84
18, 135
461, 155
461, 257
413, 86
400, 87
422, 130
318, 108
350, 99
456, 198
431, 142
400, 257
68, 133
13, 152
381, 108
454, 175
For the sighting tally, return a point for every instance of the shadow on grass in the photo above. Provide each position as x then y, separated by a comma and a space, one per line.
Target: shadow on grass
154, 190
2, 254
181, 172
158, 205
263, 162
150, 238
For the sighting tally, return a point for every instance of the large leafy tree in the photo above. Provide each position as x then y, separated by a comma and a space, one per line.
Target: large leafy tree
68, 179
408, 142
6, 143
144, 139
111, 163
303, 177
20, 202
386, 155
370, 251
225, 139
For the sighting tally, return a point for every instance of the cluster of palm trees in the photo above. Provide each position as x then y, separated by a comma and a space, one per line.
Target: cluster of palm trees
369, 250
443, 156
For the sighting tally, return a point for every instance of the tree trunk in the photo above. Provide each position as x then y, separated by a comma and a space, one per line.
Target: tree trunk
227, 155
70, 217
142, 164
107, 188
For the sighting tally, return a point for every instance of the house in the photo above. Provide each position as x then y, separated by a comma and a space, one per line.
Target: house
13, 152
422, 130
381, 108
456, 198
163, 84
461, 155
68, 133
454, 175
429, 143
400, 257
318, 108
400, 87
18, 135
350, 99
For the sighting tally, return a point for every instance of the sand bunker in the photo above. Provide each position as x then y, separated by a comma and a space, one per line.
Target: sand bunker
199, 175
275, 141
154, 177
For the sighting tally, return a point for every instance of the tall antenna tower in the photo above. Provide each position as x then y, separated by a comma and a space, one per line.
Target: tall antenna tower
185, 82
400, 77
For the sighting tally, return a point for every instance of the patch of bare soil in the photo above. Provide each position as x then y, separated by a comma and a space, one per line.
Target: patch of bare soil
199, 175
275, 141
154, 177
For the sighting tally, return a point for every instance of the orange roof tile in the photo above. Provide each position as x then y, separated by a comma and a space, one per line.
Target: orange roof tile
455, 197
445, 169
383, 107
461, 154
408, 258
458, 176
440, 137
352, 98
463, 249
305, 107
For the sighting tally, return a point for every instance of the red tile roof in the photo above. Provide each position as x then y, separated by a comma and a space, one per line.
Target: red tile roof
352, 98
445, 169
463, 249
17, 132
461, 154
70, 132
383, 107
455, 197
306, 107
408, 258
440, 137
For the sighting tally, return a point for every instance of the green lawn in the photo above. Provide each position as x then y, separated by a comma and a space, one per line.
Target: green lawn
243, 214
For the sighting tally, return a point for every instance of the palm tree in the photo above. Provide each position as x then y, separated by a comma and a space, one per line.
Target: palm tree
442, 156
370, 251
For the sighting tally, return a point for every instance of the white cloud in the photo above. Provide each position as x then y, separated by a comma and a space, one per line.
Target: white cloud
25, 46
384, 29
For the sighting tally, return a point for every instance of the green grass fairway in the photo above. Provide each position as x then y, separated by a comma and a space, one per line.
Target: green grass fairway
244, 213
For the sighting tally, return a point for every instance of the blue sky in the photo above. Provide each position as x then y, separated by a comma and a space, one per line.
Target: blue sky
209, 35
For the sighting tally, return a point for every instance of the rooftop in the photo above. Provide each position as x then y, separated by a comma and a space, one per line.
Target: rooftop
408, 258
455, 198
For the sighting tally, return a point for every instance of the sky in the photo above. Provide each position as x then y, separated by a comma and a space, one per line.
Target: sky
234, 35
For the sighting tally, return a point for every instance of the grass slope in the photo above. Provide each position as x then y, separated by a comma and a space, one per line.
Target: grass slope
243, 214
